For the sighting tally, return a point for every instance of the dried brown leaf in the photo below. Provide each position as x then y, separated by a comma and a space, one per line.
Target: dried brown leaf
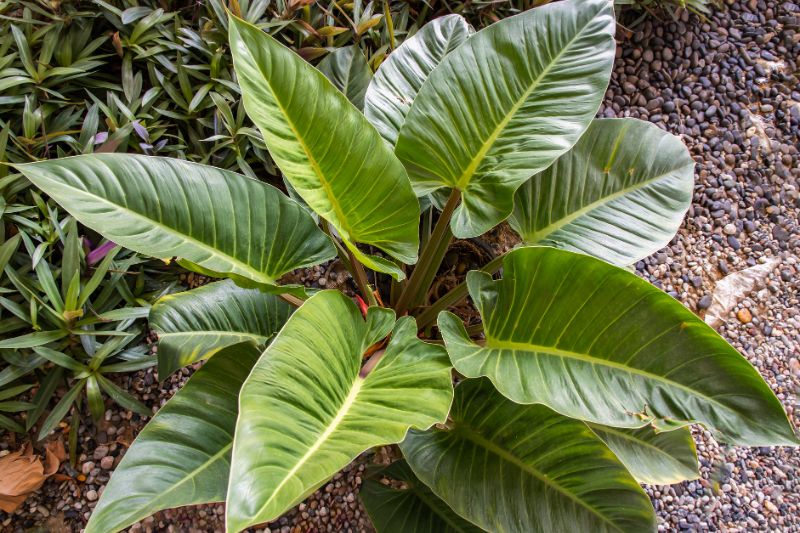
57, 448
22, 473
731, 289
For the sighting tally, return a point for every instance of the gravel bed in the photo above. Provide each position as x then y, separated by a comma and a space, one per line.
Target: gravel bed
729, 87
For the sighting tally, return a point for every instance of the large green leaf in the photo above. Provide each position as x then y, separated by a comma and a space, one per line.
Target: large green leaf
657, 458
307, 410
348, 70
527, 469
412, 508
162, 207
196, 324
506, 104
324, 146
399, 78
620, 194
182, 456
596, 342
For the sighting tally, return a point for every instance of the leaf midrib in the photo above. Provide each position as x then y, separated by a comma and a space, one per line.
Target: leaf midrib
208, 332
538, 235
475, 437
341, 219
466, 176
333, 425
255, 274
588, 358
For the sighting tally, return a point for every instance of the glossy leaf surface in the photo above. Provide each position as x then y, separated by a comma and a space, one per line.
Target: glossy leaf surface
307, 403
348, 70
182, 456
412, 508
506, 104
514, 468
164, 207
399, 78
596, 342
655, 458
619, 194
196, 324
325, 147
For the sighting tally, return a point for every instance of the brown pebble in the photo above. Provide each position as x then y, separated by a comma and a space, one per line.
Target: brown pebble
744, 316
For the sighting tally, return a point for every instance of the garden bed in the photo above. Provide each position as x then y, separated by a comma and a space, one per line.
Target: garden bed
729, 87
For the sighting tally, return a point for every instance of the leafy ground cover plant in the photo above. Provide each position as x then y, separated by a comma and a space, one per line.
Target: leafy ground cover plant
72, 315
79, 77
579, 383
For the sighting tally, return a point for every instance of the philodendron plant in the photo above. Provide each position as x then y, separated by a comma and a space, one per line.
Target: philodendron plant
579, 384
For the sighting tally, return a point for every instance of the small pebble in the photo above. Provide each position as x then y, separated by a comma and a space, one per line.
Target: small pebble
744, 316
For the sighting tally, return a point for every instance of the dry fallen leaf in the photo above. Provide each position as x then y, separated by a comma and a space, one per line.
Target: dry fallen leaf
57, 524
732, 288
126, 436
57, 448
22, 473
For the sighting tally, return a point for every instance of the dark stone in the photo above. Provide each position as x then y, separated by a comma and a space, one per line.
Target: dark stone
780, 234
705, 302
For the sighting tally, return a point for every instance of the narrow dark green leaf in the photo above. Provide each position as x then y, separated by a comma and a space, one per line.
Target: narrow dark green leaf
95, 399
15, 406
7, 251
60, 410
43, 396
30, 340
13, 391
59, 358
71, 264
125, 399
9, 424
